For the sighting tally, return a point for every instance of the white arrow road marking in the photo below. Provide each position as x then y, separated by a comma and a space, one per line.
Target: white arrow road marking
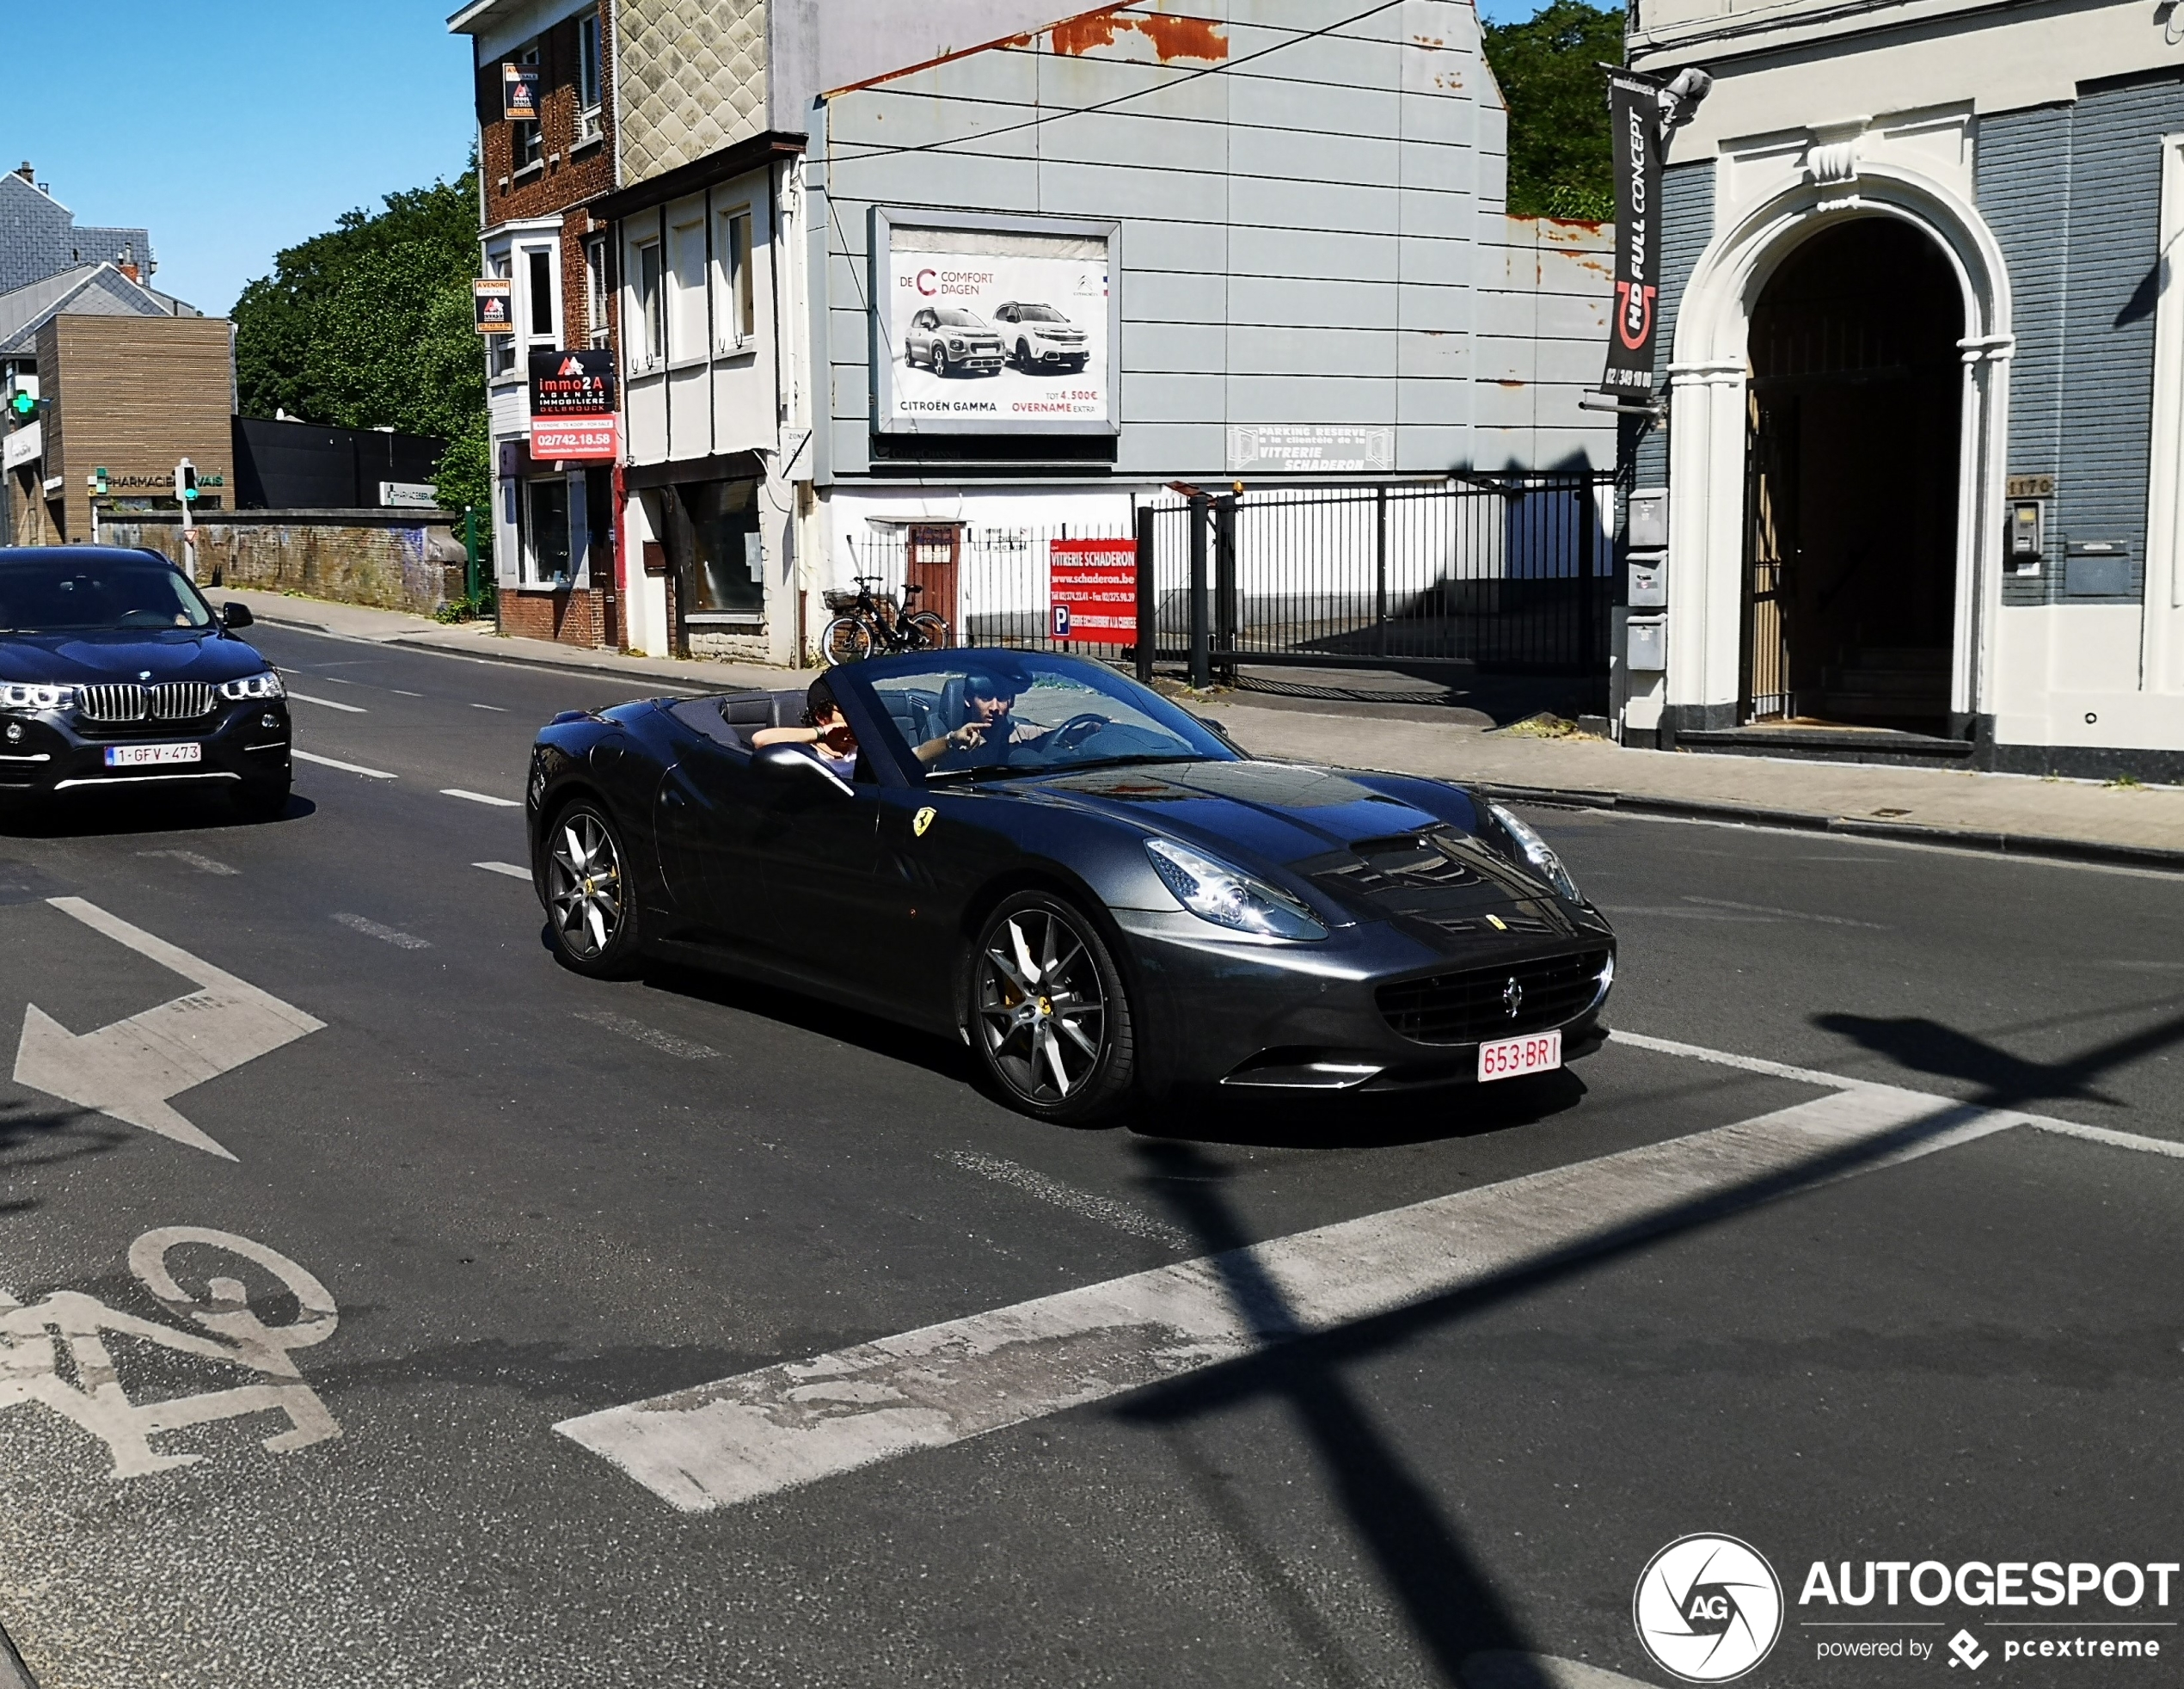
741, 1438
129, 1070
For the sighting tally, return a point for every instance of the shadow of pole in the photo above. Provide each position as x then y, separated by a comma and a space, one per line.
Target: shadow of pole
2006, 1081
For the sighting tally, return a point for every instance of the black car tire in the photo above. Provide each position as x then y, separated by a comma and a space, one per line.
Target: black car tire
264, 798
591, 899
1070, 1011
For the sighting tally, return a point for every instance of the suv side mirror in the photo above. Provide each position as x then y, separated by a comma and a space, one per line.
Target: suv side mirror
790, 761
235, 615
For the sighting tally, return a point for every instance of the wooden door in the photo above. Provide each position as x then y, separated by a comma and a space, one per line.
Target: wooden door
935, 550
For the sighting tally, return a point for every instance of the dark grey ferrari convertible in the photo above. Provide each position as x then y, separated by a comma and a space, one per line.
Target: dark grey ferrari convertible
1093, 889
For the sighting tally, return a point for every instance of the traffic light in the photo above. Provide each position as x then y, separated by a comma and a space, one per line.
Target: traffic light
186, 481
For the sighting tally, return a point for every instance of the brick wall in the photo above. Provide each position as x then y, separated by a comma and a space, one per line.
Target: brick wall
567, 176
342, 556
591, 618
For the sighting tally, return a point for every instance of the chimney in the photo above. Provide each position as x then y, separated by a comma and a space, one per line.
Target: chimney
27, 173
128, 264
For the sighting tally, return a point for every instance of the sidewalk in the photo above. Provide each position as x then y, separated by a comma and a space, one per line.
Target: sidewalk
2013, 813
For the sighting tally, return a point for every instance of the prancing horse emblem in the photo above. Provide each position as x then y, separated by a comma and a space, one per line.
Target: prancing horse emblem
1512, 998
923, 819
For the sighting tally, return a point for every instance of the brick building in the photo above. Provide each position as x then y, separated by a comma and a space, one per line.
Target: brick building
554, 522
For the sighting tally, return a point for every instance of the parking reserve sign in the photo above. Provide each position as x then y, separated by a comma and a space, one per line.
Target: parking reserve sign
1092, 591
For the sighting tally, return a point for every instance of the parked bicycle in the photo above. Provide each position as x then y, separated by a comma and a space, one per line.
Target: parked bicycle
866, 621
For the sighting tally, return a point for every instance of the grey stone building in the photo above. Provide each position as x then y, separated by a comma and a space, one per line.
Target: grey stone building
40, 237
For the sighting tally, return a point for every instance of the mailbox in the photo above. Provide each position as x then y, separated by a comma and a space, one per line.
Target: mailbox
1647, 528
1648, 581
2096, 568
1647, 650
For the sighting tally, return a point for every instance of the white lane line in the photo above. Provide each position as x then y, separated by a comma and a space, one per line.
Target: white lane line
1105, 1209
2091, 1134
745, 1437
480, 797
665, 1041
506, 867
191, 859
399, 693
495, 708
131, 1068
328, 703
346, 768
1785, 914
385, 934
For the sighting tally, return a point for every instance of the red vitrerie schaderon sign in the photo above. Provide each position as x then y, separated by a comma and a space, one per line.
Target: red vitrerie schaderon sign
1092, 587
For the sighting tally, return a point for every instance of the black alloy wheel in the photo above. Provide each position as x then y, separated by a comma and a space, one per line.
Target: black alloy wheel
590, 904
1049, 1015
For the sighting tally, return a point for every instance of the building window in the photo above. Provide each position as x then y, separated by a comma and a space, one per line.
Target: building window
547, 562
590, 82
652, 320
499, 349
686, 337
540, 317
736, 311
595, 289
525, 146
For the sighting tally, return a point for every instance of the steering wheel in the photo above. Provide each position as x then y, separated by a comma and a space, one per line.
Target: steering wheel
1079, 726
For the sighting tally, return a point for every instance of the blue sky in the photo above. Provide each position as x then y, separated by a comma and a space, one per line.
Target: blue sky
233, 128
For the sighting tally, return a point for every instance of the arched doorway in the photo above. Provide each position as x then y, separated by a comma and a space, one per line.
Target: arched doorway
1851, 485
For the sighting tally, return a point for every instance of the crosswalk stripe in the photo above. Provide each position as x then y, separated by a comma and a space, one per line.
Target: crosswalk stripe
749, 1436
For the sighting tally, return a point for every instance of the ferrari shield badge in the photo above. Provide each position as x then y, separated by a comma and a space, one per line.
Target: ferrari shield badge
923, 819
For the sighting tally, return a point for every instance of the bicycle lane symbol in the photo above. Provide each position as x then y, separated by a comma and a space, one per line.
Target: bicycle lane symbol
70, 1326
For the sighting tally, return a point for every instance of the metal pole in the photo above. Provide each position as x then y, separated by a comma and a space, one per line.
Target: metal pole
1224, 578
1201, 662
1148, 597
1380, 571
470, 558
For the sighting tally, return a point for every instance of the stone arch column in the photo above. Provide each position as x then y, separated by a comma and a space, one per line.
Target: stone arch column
1708, 375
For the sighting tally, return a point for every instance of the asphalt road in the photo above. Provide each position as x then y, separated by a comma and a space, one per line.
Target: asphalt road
512, 1198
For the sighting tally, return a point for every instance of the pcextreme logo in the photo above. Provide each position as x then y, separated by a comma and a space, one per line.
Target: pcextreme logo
1708, 1609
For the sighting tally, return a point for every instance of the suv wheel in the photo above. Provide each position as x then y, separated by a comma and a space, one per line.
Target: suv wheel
939, 358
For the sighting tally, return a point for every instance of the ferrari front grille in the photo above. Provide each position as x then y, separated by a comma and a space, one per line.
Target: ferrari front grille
1504, 1001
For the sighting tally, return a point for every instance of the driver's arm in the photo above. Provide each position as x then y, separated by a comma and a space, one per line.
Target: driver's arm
967, 737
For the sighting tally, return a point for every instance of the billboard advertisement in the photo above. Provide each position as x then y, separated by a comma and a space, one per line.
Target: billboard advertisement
1092, 591
572, 405
985, 325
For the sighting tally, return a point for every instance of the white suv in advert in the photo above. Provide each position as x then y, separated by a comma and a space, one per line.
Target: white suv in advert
1039, 337
949, 339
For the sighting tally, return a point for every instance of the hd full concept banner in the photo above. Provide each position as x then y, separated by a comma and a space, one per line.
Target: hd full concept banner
1634, 108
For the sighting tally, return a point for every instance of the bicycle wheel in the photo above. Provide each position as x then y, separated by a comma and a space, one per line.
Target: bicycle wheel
846, 640
931, 628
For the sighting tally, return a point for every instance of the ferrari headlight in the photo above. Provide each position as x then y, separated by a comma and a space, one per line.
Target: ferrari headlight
1227, 896
29, 695
265, 686
1536, 852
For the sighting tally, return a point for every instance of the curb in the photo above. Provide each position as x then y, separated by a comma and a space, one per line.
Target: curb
14, 1674
1800, 820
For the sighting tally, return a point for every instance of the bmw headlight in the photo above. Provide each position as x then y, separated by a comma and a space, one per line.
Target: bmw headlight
1536, 852
29, 695
265, 686
1227, 896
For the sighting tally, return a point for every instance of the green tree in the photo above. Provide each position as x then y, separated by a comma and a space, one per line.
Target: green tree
1548, 66
369, 326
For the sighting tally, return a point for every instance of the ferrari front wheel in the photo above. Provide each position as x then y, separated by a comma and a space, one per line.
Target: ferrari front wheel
591, 903
1050, 1017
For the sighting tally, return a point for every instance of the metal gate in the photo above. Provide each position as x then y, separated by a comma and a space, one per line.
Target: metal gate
1770, 512
1506, 574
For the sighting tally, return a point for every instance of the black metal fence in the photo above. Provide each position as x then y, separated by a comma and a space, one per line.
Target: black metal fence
1508, 573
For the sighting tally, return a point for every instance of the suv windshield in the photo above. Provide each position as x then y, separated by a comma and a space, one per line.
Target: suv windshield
979, 714
959, 319
72, 594
1039, 314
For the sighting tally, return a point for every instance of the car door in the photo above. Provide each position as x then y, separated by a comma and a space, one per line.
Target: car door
705, 817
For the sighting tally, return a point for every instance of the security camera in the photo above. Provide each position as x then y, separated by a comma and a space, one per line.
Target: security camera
1679, 100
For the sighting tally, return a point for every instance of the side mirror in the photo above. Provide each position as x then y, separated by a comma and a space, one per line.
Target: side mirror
790, 761
1219, 731
235, 615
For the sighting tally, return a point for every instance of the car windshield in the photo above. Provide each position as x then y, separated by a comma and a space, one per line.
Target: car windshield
70, 593
958, 319
1040, 314
973, 714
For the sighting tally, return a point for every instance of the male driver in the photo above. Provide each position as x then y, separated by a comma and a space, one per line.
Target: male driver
985, 730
